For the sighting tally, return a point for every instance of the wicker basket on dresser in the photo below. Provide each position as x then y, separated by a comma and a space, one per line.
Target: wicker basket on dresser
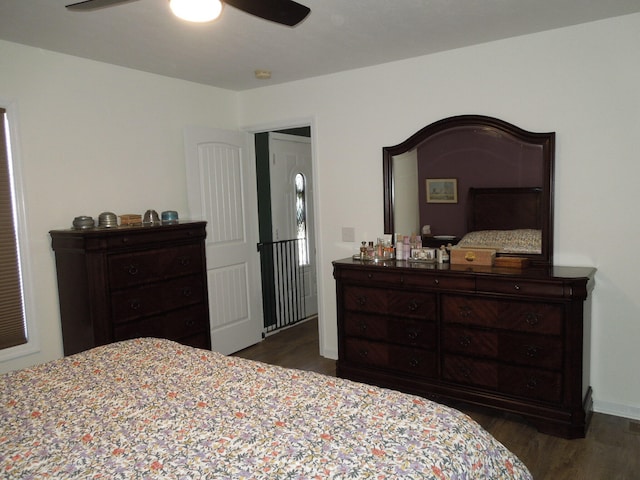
510, 339
126, 282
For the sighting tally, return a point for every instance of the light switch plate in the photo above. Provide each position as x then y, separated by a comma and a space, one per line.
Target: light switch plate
348, 234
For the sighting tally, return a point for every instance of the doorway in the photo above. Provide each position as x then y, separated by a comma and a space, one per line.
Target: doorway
286, 226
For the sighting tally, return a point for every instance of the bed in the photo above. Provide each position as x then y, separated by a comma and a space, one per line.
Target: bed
505, 208
152, 408
507, 220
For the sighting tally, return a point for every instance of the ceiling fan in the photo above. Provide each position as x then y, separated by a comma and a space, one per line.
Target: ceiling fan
285, 12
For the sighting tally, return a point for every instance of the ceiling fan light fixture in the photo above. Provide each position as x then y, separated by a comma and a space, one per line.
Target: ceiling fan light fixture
200, 11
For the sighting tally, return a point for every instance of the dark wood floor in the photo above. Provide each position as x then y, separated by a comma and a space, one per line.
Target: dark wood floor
611, 450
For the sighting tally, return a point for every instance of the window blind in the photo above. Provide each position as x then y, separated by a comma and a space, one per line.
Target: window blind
12, 320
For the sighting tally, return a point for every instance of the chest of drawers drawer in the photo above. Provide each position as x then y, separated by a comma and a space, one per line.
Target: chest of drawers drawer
156, 298
128, 269
439, 282
416, 361
520, 287
401, 331
147, 237
391, 278
378, 276
529, 383
393, 302
518, 349
529, 317
177, 324
361, 299
412, 305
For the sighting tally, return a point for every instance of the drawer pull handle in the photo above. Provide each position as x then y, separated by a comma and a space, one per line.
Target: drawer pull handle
135, 305
363, 327
464, 311
532, 383
362, 300
413, 306
363, 353
190, 322
532, 318
414, 363
412, 334
532, 351
370, 276
436, 281
187, 292
465, 341
465, 372
516, 286
185, 261
133, 270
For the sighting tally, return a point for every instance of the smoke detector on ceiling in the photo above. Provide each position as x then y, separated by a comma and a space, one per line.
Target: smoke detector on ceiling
263, 74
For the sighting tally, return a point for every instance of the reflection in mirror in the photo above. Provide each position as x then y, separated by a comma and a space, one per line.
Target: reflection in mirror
405, 204
477, 152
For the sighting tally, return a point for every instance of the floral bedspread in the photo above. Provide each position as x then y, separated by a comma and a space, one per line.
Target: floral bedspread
150, 408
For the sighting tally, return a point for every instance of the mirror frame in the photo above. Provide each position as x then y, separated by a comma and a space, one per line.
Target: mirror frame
545, 140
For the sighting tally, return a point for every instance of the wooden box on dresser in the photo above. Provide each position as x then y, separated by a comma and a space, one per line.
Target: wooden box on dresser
126, 282
516, 340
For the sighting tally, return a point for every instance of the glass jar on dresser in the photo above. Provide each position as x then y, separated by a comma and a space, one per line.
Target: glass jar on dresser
512, 339
126, 282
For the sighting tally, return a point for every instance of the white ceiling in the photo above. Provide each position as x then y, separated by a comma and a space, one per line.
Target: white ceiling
338, 35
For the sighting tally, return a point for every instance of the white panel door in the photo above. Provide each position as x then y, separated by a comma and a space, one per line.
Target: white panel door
221, 184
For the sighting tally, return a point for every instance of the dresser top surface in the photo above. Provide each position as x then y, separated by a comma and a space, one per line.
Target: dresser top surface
532, 273
101, 231
119, 238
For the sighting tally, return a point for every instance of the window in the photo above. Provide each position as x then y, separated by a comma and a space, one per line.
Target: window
13, 330
301, 220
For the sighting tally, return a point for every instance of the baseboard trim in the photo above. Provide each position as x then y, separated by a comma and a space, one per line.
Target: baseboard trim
330, 354
616, 409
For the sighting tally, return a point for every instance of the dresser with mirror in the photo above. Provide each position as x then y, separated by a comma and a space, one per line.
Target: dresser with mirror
512, 338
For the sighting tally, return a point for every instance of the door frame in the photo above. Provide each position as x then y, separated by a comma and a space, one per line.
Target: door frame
320, 268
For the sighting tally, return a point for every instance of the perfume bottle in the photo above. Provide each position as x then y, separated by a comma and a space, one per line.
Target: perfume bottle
380, 248
399, 247
371, 252
443, 255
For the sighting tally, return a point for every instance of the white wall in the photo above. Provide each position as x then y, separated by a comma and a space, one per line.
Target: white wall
581, 82
94, 138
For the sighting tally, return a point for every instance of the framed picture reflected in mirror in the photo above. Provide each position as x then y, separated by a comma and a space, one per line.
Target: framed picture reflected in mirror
442, 190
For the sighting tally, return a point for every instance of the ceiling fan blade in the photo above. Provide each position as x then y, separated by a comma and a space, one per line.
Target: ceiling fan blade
286, 12
94, 4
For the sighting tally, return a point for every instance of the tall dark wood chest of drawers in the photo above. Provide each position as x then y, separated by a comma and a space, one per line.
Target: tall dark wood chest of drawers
510, 339
126, 282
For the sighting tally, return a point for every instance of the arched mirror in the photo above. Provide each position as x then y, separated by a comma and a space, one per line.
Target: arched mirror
471, 173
